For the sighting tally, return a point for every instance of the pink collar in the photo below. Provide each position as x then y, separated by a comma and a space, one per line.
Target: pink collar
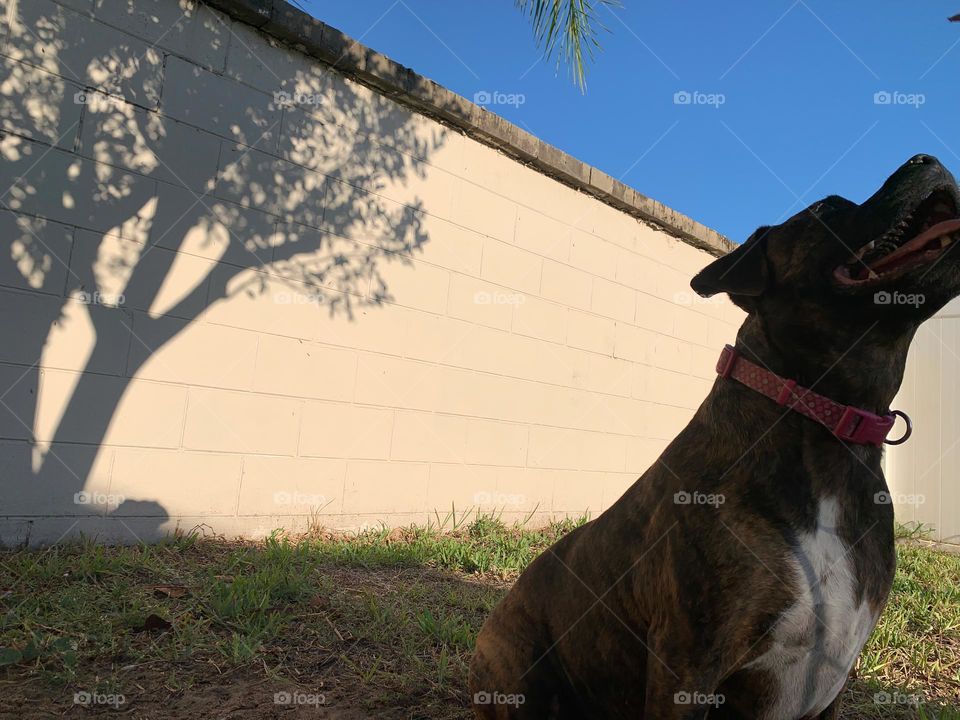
848, 423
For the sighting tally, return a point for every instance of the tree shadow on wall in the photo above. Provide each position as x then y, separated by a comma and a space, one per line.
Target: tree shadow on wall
161, 222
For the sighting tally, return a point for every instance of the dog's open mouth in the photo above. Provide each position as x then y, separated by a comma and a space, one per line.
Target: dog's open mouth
913, 242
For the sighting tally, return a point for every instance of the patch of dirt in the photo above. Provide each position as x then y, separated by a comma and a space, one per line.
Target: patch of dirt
234, 696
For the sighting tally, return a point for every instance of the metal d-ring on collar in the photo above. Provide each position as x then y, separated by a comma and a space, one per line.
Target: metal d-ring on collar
907, 433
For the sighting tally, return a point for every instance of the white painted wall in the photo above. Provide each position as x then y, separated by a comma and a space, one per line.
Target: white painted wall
924, 473
216, 309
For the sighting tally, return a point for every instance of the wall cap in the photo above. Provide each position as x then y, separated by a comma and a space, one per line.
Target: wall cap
286, 23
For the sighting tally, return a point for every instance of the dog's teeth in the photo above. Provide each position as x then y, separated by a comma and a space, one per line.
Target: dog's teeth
872, 275
870, 245
945, 241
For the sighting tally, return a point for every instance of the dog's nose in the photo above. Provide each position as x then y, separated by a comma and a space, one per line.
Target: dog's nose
923, 159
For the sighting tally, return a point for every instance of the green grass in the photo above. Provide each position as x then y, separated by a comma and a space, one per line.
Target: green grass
383, 622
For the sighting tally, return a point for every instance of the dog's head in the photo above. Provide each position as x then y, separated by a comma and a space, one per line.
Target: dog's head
891, 260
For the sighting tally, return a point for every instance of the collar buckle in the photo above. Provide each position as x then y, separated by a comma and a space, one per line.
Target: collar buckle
863, 427
728, 358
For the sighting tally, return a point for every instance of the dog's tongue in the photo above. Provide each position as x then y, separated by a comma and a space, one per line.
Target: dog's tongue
941, 228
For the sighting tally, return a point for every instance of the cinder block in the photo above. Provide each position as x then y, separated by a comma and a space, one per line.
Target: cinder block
594, 255
429, 437
255, 179
522, 490
192, 353
496, 443
411, 283
206, 227
577, 493
511, 267
393, 382
477, 301
30, 318
457, 491
608, 375
240, 422
614, 486
134, 276
19, 389
617, 227
81, 6
434, 338
552, 447
540, 319
261, 61
671, 354
306, 140
304, 369
381, 487
85, 52
642, 453
185, 27
543, 235
666, 387
691, 326
59, 186
655, 314
68, 480
633, 343
450, 246
38, 104
637, 271
323, 260
613, 300
117, 133
38, 253
355, 213
590, 332
483, 211
181, 483
722, 333
703, 361
670, 421
377, 328
566, 285
220, 105
337, 430
402, 179
291, 486
139, 412
256, 301
85, 337
576, 450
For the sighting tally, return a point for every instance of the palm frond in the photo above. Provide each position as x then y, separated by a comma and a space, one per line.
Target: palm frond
569, 29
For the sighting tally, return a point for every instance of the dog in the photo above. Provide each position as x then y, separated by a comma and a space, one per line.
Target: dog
741, 575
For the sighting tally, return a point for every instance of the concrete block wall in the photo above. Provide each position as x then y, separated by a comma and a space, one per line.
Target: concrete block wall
240, 290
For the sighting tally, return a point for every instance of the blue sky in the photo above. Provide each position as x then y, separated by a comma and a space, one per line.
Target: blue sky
782, 110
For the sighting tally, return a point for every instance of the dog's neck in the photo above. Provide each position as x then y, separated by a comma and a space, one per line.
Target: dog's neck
862, 367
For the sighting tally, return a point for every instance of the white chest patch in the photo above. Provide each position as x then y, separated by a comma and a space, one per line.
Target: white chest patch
817, 640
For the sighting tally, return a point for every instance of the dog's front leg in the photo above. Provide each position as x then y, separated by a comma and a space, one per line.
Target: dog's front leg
833, 709
675, 689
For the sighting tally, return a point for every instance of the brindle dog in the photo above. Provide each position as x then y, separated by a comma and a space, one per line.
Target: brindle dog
759, 606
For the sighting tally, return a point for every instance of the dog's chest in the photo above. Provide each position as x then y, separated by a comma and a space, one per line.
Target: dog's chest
818, 638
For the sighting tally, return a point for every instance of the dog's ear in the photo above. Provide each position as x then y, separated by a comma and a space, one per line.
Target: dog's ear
740, 272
